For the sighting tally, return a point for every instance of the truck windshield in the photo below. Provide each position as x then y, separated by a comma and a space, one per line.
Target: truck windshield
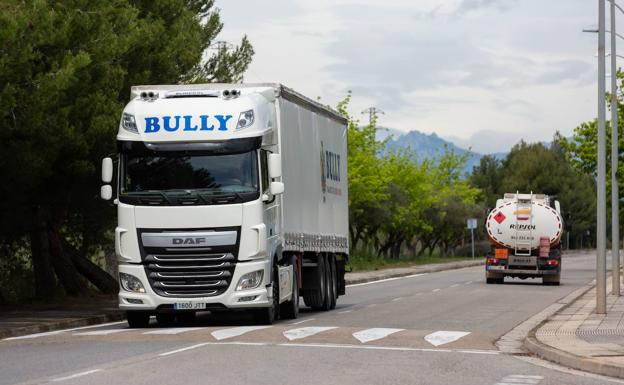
171, 175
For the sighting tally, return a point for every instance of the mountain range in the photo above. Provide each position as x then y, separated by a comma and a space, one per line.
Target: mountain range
429, 146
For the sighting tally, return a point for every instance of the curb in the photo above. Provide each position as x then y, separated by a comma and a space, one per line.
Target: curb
546, 352
431, 269
66, 324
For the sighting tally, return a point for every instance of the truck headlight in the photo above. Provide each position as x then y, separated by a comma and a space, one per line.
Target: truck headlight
131, 283
128, 123
245, 119
250, 280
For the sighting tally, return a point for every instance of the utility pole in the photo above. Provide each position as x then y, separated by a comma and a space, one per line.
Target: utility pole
615, 199
372, 114
601, 210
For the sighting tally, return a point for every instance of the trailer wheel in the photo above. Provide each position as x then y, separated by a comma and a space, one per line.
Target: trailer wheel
551, 280
290, 309
333, 282
315, 298
138, 319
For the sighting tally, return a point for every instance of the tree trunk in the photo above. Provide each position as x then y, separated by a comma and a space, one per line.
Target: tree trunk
66, 273
111, 262
98, 277
45, 284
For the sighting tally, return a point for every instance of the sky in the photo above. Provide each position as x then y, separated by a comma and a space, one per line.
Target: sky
482, 73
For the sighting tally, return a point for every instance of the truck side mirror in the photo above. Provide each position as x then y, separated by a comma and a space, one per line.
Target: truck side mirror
107, 170
276, 188
275, 166
106, 192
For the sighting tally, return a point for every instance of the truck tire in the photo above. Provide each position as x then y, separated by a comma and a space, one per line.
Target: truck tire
138, 319
315, 298
333, 282
494, 278
551, 280
165, 319
268, 315
290, 309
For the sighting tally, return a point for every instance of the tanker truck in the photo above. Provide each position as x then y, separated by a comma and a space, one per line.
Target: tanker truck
525, 232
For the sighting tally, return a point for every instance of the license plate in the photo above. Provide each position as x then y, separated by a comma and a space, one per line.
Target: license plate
189, 306
523, 261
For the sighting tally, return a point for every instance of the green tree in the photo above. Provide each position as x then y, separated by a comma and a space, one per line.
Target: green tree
65, 73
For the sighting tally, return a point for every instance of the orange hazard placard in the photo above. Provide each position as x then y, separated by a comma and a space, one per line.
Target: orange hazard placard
501, 253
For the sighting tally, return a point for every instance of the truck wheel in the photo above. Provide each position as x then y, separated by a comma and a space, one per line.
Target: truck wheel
315, 298
290, 309
138, 319
551, 280
165, 319
267, 316
333, 282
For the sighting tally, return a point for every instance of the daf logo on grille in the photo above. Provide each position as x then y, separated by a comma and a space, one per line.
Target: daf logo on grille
189, 241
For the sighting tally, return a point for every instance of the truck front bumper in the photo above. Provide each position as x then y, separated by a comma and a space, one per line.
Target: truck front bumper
230, 299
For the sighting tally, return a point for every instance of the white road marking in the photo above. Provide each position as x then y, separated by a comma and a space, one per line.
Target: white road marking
76, 375
345, 311
373, 334
468, 283
302, 321
387, 280
183, 349
297, 334
360, 347
235, 332
516, 379
397, 299
434, 290
102, 332
37, 335
170, 331
372, 305
455, 285
444, 337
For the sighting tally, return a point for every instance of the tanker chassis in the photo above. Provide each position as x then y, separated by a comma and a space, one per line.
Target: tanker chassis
229, 197
525, 232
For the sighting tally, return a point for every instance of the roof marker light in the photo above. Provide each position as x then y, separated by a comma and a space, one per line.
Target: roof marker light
192, 94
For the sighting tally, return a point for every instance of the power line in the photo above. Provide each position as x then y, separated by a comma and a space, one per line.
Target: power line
372, 114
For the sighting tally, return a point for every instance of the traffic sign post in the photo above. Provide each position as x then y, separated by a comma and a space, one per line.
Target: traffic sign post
471, 223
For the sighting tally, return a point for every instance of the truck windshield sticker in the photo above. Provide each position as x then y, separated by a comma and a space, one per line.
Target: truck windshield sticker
186, 123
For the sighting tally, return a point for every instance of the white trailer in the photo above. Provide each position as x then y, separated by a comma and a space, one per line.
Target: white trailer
229, 197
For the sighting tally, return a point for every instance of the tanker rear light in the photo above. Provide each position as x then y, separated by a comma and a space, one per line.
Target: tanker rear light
492, 261
552, 262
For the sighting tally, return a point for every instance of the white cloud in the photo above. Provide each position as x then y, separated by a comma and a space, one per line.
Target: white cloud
485, 72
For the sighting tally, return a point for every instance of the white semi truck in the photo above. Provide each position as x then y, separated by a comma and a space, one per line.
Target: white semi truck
525, 232
229, 197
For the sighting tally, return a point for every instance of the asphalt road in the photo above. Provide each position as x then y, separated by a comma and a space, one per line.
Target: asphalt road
437, 328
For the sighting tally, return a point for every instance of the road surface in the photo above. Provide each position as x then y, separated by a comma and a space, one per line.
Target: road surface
438, 328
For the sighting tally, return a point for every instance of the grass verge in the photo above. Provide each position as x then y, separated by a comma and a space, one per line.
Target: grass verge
364, 262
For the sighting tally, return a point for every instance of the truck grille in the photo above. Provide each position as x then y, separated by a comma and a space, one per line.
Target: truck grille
190, 275
186, 271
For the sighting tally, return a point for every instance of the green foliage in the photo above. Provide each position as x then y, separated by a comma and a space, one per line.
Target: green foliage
540, 169
66, 68
396, 202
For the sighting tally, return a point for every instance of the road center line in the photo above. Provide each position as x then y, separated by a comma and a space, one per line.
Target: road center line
302, 321
183, 349
434, 290
387, 280
345, 311
455, 285
76, 375
397, 299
